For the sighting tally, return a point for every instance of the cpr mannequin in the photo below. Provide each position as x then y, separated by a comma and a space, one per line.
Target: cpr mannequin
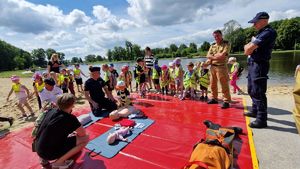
125, 112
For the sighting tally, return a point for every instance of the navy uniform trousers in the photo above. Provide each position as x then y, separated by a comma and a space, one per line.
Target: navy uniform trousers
257, 87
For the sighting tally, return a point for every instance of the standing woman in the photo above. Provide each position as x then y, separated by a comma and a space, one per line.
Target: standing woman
54, 64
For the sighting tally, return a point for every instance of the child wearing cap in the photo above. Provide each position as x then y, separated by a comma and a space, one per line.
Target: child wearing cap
38, 86
189, 81
156, 73
178, 76
78, 79
172, 78
164, 79
233, 75
123, 94
22, 93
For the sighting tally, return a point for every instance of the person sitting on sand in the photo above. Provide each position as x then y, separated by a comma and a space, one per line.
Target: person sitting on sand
50, 91
60, 135
22, 93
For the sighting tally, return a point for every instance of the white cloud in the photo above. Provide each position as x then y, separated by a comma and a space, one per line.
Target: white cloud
169, 12
200, 36
277, 15
155, 23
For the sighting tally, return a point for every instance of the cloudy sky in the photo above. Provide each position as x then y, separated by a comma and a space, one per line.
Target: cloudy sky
82, 27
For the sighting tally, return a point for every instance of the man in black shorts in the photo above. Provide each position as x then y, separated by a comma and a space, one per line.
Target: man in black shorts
93, 91
54, 141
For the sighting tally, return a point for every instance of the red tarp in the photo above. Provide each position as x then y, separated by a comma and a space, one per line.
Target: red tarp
167, 143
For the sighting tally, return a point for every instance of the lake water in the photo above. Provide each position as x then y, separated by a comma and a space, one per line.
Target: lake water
282, 67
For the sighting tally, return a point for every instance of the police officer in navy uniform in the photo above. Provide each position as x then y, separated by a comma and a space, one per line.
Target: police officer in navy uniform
259, 53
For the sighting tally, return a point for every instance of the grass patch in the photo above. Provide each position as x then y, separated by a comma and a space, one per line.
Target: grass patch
7, 74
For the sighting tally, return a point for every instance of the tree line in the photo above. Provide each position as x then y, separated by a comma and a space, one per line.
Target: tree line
288, 38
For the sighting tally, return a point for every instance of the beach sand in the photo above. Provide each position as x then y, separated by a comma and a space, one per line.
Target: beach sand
10, 109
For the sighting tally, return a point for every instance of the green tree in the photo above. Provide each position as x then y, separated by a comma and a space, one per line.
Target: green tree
99, 58
90, 58
80, 60
205, 46
39, 57
182, 47
288, 33
193, 48
129, 55
75, 60
173, 48
136, 51
109, 55
20, 62
237, 39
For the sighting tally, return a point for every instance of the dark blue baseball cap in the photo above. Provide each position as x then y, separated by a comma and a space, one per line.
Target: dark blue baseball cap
259, 15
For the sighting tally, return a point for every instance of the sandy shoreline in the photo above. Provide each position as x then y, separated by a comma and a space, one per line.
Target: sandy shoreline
9, 109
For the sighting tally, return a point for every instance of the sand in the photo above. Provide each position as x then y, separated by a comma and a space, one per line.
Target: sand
9, 109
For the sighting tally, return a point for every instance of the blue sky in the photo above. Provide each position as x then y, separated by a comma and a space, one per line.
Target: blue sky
82, 27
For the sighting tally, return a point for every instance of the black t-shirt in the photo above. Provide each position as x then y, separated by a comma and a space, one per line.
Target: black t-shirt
95, 88
55, 128
142, 75
54, 66
119, 93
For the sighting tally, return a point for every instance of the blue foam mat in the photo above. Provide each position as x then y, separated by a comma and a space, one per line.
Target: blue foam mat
94, 119
100, 146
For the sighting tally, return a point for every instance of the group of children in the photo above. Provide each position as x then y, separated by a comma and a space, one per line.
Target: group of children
172, 79
168, 79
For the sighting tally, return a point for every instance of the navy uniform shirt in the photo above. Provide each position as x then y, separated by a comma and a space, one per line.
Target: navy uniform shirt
265, 40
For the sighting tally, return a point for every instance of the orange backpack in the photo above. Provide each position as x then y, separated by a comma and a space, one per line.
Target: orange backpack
213, 153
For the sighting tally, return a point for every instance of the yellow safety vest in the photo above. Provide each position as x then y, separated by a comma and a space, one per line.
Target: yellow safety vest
106, 76
16, 87
39, 87
178, 71
155, 74
165, 78
76, 72
190, 81
204, 80
236, 64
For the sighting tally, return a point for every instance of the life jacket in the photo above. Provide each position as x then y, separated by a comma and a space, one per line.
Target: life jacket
215, 152
122, 77
190, 80
40, 87
16, 87
204, 78
61, 79
236, 64
178, 71
77, 72
125, 101
165, 78
155, 73
106, 76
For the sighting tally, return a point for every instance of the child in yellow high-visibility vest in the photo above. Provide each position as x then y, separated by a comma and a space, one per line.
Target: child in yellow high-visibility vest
22, 93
